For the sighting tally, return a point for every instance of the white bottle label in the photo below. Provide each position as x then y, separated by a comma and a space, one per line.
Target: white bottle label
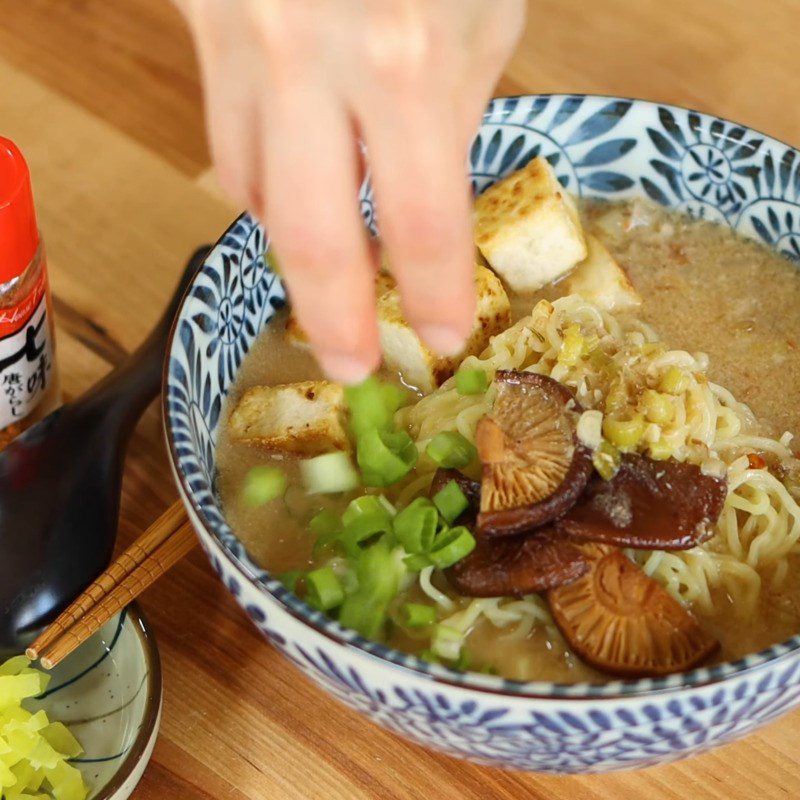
26, 366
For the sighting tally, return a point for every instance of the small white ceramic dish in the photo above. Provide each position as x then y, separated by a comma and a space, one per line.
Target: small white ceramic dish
109, 694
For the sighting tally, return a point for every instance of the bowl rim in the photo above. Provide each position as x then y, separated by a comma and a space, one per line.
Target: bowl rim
397, 659
152, 709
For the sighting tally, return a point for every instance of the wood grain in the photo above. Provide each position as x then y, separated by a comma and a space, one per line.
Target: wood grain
104, 99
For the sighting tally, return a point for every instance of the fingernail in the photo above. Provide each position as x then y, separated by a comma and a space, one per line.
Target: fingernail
344, 368
442, 339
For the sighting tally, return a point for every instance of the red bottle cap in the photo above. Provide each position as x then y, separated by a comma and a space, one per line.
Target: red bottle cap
19, 235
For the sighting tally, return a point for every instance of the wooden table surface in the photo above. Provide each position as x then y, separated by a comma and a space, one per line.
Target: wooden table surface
103, 97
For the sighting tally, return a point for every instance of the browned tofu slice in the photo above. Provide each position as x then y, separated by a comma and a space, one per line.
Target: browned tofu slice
306, 418
404, 352
527, 227
602, 281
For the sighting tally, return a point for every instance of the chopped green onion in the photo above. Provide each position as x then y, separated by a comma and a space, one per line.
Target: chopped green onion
385, 457
451, 450
295, 498
417, 562
365, 505
451, 501
471, 381
379, 573
415, 525
324, 589
361, 530
447, 642
418, 615
289, 579
262, 484
387, 505
327, 526
429, 655
373, 404
463, 662
329, 473
325, 523
451, 546
394, 398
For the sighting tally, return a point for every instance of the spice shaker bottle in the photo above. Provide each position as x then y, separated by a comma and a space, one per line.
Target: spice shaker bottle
28, 377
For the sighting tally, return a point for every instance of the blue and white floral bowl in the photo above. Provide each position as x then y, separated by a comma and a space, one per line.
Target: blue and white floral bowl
600, 147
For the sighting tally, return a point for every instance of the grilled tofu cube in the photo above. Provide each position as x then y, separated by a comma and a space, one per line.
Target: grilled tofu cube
297, 336
527, 227
599, 279
404, 352
305, 419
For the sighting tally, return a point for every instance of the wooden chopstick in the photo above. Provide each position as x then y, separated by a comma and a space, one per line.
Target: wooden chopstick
160, 547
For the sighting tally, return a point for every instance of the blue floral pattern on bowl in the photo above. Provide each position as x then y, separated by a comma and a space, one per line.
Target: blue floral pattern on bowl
600, 147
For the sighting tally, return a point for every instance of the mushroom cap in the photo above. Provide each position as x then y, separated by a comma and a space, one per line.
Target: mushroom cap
620, 621
518, 565
534, 469
653, 505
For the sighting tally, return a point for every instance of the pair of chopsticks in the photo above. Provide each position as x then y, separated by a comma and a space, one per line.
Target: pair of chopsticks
160, 547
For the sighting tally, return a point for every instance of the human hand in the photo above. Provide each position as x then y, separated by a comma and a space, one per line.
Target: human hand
290, 86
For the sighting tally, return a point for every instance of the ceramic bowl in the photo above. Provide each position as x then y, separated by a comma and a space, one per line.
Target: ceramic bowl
109, 694
600, 147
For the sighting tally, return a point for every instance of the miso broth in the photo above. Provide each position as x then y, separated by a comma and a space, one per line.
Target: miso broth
704, 289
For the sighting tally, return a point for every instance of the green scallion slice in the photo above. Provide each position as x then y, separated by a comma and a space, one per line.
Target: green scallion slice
385, 457
451, 450
325, 523
418, 615
327, 526
471, 381
324, 589
373, 404
417, 562
451, 502
329, 473
415, 525
447, 642
365, 505
262, 484
378, 573
289, 579
451, 546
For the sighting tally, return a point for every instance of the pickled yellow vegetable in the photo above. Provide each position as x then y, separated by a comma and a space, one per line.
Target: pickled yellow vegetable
606, 460
658, 408
572, 346
33, 750
674, 381
660, 450
624, 433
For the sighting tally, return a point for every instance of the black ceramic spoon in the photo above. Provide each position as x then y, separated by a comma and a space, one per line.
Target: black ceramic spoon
60, 488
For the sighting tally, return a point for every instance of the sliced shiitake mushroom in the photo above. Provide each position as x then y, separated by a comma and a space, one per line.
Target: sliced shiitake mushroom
518, 565
620, 621
654, 505
534, 469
